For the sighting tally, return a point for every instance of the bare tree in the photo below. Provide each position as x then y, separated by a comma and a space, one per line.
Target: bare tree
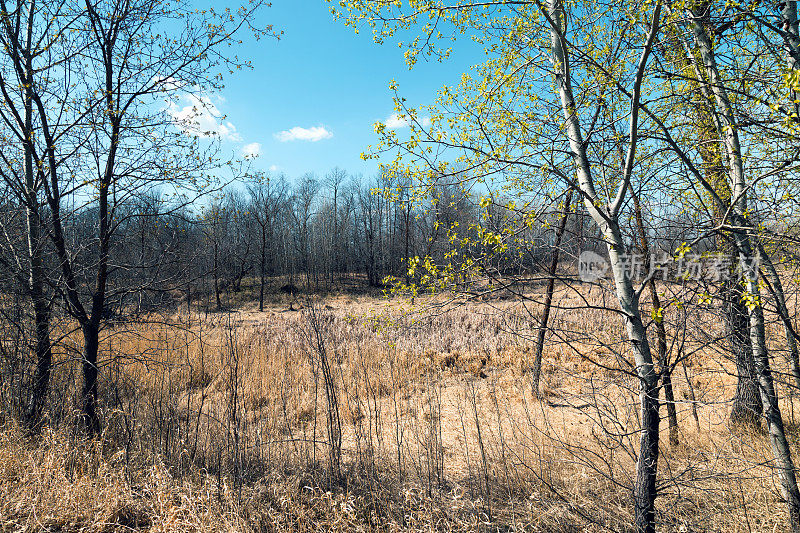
118, 145
268, 200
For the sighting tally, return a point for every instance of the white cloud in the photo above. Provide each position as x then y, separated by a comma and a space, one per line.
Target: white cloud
313, 134
274, 168
395, 122
196, 114
251, 150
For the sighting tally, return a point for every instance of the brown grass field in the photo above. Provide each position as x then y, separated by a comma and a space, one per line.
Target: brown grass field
221, 422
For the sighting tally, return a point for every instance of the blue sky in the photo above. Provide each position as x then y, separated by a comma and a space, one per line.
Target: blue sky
311, 100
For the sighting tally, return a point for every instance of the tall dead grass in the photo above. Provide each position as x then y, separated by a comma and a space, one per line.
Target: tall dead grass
224, 422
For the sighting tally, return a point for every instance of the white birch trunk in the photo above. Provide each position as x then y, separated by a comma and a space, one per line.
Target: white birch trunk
735, 168
607, 219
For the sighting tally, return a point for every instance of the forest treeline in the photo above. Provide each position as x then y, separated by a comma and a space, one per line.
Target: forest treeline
316, 234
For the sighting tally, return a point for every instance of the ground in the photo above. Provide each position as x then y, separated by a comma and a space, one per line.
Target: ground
223, 421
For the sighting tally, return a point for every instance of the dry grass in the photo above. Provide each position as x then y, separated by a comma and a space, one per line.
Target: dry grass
218, 422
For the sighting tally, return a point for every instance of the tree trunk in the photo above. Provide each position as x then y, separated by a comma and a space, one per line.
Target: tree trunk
733, 157
791, 39
216, 276
776, 287
407, 223
607, 219
36, 273
644, 491
669, 396
747, 406
715, 147
661, 332
746, 409
91, 343
647, 466
44, 363
263, 268
666, 366
536, 369
41, 311
772, 415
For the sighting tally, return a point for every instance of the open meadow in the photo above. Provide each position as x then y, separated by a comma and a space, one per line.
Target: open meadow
367, 413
